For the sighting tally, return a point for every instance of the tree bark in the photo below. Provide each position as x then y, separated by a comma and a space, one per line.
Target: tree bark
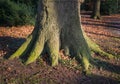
96, 9
57, 27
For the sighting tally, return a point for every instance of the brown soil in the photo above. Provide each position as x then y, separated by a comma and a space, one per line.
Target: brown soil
105, 32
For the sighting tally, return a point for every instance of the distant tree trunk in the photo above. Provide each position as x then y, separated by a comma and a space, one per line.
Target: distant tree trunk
96, 9
57, 27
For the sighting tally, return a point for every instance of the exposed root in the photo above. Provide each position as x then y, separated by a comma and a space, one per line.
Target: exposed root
95, 48
53, 51
96, 17
37, 49
81, 53
25, 48
22, 50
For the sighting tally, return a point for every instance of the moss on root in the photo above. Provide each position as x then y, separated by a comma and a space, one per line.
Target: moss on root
22, 48
96, 49
36, 49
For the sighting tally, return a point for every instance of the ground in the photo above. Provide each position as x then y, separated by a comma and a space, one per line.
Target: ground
105, 32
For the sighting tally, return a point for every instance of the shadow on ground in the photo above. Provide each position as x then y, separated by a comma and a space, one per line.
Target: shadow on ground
107, 66
59, 74
95, 79
104, 25
10, 44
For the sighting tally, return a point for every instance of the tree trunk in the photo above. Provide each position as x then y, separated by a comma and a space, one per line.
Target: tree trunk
57, 27
96, 9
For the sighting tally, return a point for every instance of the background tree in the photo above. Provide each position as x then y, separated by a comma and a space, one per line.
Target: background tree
96, 9
105, 7
57, 27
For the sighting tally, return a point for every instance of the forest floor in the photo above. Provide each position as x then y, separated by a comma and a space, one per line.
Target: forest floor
105, 32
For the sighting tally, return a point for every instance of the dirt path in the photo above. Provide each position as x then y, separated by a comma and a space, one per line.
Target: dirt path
105, 32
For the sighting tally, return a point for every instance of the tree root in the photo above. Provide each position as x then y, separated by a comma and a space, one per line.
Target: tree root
96, 49
26, 46
34, 46
36, 50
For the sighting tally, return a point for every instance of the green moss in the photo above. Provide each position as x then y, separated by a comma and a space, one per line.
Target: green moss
54, 52
86, 63
54, 60
36, 51
95, 48
22, 49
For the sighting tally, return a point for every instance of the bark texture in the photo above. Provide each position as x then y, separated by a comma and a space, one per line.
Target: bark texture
96, 9
57, 27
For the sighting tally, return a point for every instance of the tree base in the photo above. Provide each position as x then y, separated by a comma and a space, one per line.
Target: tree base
57, 23
96, 49
96, 16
